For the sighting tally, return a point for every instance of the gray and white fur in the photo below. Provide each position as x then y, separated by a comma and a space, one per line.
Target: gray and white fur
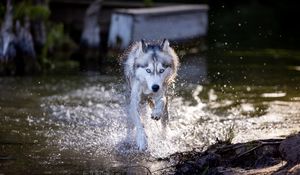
149, 69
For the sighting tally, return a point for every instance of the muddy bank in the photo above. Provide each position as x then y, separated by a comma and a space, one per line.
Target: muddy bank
272, 156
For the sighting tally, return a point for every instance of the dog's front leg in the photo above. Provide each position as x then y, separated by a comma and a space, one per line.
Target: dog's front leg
135, 97
160, 108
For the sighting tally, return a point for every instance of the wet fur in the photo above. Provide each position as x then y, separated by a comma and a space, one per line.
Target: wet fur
146, 65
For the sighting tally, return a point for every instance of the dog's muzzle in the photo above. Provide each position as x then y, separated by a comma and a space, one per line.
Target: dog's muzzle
155, 88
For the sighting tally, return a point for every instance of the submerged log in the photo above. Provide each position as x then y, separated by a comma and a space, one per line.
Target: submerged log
262, 157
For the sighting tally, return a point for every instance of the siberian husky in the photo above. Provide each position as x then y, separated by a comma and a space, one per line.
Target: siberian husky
149, 69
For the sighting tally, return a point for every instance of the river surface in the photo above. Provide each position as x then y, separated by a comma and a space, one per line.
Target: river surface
76, 124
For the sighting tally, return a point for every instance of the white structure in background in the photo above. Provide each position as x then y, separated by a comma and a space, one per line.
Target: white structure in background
178, 22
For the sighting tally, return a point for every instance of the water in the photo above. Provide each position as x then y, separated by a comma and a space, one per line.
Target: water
75, 124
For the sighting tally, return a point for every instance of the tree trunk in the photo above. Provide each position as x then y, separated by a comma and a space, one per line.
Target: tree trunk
91, 32
25, 59
7, 37
16, 49
39, 29
89, 52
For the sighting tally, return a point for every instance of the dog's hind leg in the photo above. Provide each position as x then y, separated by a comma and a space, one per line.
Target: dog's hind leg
135, 97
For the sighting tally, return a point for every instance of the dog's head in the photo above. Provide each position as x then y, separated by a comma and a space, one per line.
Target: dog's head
155, 64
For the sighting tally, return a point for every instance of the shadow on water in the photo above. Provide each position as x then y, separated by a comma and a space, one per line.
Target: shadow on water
76, 124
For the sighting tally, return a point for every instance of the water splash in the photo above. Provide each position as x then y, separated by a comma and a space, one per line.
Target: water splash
91, 121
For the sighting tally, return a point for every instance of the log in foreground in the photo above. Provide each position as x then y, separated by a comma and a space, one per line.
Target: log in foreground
273, 156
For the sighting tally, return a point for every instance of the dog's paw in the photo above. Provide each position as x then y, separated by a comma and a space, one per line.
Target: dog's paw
156, 116
141, 141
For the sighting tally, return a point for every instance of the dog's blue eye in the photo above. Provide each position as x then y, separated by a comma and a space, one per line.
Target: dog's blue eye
161, 70
148, 70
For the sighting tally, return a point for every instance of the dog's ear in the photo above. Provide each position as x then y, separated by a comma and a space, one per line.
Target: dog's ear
165, 45
143, 46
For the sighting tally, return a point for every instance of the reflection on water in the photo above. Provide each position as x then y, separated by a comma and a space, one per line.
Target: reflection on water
76, 124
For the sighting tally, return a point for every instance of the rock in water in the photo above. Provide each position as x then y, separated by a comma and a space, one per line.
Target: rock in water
290, 149
295, 169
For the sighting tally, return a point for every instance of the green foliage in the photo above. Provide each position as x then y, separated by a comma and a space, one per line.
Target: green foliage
148, 3
57, 48
53, 35
39, 12
34, 12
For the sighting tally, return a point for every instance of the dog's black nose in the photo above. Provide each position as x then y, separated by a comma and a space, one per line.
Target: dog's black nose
155, 88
